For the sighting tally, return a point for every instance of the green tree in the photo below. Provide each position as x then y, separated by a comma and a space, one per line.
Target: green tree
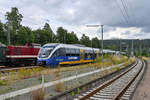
41, 36
72, 38
30, 35
85, 40
21, 37
96, 43
14, 19
52, 37
24, 35
3, 37
62, 35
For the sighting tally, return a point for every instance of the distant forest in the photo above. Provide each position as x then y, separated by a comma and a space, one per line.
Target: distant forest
19, 35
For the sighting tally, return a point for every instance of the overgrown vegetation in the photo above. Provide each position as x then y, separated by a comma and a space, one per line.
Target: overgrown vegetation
58, 87
38, 94
34, 72
110, 60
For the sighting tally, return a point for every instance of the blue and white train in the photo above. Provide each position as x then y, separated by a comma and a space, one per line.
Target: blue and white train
54, 54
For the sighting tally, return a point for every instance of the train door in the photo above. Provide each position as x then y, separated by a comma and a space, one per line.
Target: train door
81, 54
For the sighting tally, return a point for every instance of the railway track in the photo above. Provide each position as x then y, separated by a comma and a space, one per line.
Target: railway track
120, 87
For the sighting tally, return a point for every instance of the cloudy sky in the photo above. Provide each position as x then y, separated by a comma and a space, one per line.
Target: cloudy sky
121, 18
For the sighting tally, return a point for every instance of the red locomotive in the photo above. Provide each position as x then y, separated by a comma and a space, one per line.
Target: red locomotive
22, 55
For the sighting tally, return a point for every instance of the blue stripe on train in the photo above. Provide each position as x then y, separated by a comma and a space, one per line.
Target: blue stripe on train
54, 61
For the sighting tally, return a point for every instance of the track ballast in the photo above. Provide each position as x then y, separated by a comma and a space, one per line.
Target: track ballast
120, 87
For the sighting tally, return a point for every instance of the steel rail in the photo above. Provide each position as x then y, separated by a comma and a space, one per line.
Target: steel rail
66, 95
120, 94
85, 97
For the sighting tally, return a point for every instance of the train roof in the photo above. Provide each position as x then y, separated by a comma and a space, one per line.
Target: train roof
70, 46
76, 46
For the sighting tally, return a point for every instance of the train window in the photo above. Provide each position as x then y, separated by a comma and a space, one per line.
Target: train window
68, 51
72, 51
54, 54
77, 51
57, 52
62, 51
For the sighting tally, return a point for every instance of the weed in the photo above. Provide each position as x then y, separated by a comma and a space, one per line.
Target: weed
51, 95
38, 94
59, 87
3, 82
66, 87
78, 91
40, 79
72, 93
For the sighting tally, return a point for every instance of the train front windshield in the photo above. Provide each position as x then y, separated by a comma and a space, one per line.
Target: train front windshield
45, 52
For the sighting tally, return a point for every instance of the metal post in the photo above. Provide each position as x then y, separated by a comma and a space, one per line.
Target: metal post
8, 37
65, 38
120, 45
132, 54
91, 43
141, 47
127, 50
42, 79
102, 45
52, 37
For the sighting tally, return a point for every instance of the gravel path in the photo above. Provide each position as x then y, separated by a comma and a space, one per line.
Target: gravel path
143, 90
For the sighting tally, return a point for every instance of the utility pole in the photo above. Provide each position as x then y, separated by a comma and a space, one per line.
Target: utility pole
128, 50
91, 43
102, 39
65, 38
132, 53
102, 45
120, 46
141, 47
8, 37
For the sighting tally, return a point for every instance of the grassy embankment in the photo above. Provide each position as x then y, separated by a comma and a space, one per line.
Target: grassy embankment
34, 72
28, 73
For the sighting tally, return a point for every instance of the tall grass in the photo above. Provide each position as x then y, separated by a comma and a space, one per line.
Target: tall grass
38, 94
28, 73
59, 86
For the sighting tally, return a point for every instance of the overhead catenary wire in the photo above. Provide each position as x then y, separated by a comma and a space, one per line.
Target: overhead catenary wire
129, 6
126, 8
122, 12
